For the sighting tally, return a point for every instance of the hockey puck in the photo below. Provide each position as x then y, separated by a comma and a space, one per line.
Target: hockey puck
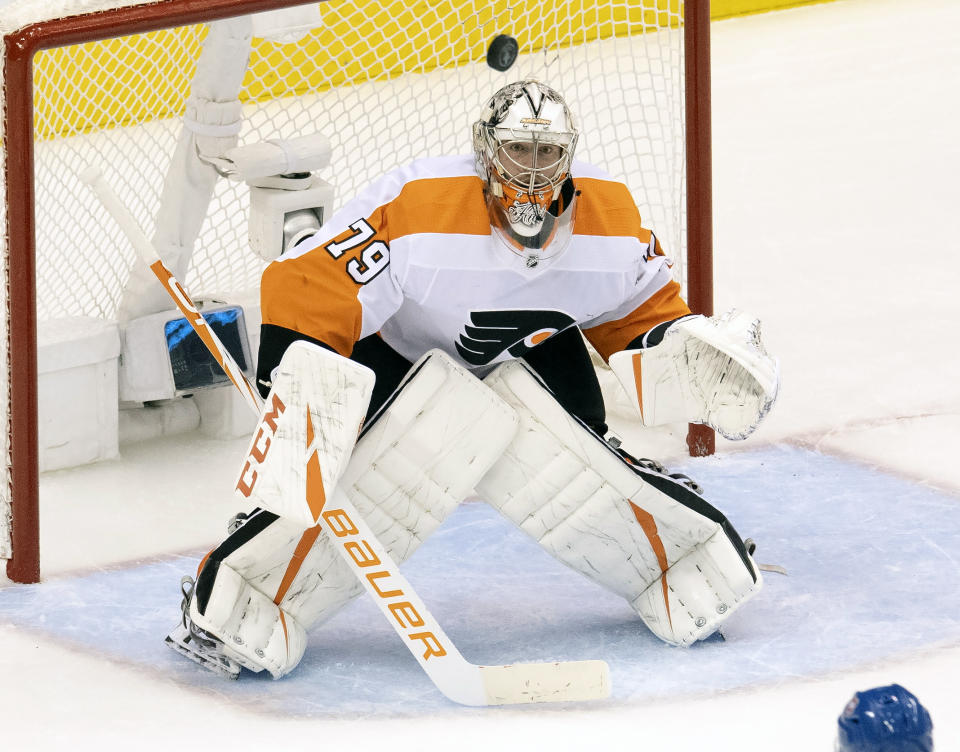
502, 52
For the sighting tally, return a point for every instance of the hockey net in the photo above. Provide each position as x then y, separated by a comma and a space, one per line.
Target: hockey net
384, 82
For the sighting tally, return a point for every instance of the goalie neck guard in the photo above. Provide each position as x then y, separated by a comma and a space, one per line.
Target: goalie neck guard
524, 144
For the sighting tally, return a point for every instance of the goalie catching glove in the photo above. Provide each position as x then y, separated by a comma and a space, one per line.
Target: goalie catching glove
713, 371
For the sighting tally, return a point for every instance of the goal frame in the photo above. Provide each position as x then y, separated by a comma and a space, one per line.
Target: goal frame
20, 47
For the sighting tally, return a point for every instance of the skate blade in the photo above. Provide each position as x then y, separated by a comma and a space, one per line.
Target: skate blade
218, 664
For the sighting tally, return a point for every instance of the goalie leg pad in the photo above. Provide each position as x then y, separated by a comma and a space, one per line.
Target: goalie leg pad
633, 529
288, 565
256, 632
422, 454
425, 451
703, 586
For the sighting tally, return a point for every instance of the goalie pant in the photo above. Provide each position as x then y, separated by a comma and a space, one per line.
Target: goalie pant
633, 530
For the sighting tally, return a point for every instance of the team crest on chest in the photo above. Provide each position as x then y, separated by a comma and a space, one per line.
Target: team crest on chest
492, 334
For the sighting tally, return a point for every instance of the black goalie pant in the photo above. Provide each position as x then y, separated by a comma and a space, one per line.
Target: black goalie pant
562, 362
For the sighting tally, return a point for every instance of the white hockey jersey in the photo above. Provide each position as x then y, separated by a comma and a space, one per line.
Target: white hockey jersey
414, 258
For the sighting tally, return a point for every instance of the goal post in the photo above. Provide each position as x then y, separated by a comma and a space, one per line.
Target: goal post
701, 440
109, 82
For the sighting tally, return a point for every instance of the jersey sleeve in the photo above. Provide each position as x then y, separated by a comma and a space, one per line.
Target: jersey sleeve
665, 304
654, 297
339, 285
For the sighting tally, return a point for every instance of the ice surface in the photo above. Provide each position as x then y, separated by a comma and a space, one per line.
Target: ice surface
872, 573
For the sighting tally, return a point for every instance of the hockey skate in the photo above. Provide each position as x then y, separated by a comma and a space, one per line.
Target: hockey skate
196, 644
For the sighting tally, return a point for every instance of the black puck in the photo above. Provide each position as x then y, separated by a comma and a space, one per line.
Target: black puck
502, 52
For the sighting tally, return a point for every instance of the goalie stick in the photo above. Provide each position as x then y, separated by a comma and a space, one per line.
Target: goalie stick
458, 679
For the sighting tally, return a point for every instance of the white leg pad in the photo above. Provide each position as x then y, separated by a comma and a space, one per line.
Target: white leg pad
291, 566
636, 531
702, 589
425, 452
255, 631
422, 455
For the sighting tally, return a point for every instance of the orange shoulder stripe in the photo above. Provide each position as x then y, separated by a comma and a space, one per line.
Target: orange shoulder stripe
606, 208
438, 205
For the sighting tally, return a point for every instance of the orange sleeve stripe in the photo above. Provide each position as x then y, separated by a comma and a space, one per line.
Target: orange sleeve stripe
313, 295
614, 336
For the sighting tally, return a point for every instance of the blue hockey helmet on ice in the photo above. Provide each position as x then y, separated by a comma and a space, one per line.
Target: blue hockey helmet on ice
884, 719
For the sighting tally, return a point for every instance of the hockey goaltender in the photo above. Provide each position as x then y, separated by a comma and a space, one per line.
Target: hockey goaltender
467, 285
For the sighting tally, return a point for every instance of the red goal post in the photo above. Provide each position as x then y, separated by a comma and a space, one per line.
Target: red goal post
374, 68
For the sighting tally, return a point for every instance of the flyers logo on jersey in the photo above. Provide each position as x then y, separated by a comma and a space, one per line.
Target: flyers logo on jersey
492, 334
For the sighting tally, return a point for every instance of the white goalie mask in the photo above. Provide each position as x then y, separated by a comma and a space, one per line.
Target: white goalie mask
524, 144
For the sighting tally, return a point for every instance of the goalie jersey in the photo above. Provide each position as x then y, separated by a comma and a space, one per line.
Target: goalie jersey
414, 258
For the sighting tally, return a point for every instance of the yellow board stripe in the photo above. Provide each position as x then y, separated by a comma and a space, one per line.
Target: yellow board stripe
358, 42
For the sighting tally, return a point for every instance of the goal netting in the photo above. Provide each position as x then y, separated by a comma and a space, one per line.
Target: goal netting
384, 82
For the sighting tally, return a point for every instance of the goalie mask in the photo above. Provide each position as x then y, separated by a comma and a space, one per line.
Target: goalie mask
524, 144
